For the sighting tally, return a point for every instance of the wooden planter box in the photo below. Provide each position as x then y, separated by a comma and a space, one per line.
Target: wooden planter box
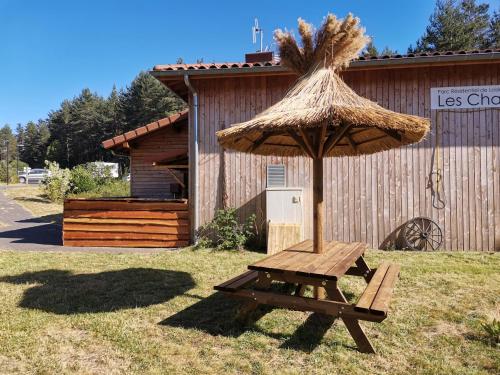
126, 222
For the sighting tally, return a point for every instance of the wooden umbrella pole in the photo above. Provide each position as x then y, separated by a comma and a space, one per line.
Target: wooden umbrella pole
319, 293
318, 205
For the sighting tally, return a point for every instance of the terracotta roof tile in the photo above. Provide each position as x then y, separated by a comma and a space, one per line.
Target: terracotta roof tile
233, 65
139, 132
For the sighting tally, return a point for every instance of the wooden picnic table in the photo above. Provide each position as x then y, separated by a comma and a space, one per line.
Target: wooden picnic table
300, 266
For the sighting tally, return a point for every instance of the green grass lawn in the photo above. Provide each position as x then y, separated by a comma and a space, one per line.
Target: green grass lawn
157, 313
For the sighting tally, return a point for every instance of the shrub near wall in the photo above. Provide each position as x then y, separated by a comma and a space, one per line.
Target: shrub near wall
225, 232
83, 181
57, 184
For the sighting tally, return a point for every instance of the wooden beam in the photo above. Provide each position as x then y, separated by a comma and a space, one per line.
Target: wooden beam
300, 142
392, 133
372, 139
322, 139
351, 323
177, 178
351, 142
259, 141
308, 142
335, 138
359, 129
328, 307
318, 218
126, 145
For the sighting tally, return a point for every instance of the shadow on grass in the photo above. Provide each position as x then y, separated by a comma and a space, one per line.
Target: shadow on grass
214, 315
39, 199
63, 292
309, 335
217, 316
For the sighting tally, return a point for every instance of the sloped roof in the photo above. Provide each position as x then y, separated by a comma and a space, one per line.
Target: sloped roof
119, 140
172, 75
361, 61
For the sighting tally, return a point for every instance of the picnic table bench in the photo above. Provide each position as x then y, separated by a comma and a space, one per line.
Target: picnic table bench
300, 266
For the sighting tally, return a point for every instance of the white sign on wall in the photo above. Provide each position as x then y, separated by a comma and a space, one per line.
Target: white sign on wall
465, 97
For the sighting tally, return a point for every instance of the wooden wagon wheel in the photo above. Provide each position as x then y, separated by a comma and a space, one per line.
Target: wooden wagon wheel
422, 233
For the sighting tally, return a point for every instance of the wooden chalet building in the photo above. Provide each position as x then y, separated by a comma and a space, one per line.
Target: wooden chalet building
453, 177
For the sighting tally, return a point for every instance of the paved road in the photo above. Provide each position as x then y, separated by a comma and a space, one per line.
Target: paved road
20, 230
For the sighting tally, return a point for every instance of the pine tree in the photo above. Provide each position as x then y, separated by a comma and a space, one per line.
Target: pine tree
35, 142
73, 133
371, 50
30, 153
455, 26
7, 139
493, 36
60, 137
388, 51
147, 100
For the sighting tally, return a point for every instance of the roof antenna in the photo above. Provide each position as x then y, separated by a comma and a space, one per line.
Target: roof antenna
256, 29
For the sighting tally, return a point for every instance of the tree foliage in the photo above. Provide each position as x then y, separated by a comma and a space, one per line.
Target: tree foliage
371, 50
493, 35
7, 140
72, 134
458, 25
147, 100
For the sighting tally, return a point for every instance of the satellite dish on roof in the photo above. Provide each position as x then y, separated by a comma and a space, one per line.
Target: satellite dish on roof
257, 30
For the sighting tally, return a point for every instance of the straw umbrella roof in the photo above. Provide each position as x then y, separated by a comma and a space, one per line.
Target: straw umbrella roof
320, 104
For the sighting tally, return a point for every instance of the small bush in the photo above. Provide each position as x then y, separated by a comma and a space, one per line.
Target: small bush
224, 232
492, 330
82, 179
112, 188
57, 183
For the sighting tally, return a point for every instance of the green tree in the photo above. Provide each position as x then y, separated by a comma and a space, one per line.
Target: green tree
34, 150
493, 35
388, 51
147, 100
455, 25
371, 50
72, 134
77, 128
20, 134
7, 141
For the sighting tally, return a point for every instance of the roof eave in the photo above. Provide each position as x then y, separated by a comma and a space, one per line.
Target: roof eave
120, 141
355, 65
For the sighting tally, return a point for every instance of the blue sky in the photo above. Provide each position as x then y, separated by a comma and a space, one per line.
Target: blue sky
50, 50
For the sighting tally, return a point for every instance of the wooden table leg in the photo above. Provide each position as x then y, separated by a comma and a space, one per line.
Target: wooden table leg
351, 324
365, 270
300, 290
248, 307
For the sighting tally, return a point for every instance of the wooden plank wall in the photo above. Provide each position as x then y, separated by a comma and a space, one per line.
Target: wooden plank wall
125, 223
369, 197
147, 180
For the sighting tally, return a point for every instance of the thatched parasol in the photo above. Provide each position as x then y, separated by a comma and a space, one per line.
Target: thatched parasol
320, 115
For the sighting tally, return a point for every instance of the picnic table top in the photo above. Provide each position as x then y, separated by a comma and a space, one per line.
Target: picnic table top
300, 259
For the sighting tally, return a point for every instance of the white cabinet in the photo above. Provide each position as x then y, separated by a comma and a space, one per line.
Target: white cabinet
284, 205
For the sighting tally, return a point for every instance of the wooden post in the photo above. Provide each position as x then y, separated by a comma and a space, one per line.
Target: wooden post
319, 293
318, 205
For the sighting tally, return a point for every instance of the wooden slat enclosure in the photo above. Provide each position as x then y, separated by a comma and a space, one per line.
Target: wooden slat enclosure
369, 198
126, 222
